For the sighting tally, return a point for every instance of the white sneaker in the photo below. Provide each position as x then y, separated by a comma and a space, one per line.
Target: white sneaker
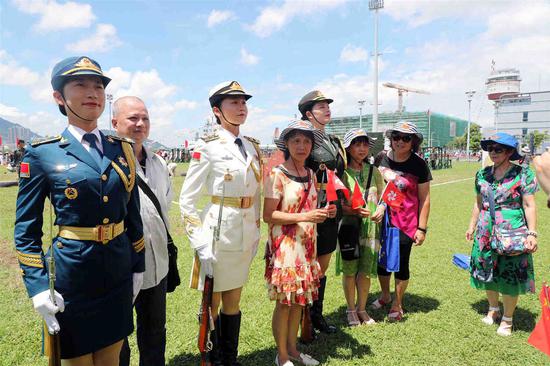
287, 363
305, 360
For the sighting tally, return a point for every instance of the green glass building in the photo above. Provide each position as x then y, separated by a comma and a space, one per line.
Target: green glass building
438, 129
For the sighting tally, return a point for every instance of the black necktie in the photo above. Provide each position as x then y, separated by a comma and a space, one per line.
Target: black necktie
239, 143
94, 150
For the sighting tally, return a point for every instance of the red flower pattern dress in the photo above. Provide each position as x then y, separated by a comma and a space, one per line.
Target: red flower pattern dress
292, 271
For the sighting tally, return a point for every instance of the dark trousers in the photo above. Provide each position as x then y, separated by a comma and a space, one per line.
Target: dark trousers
405, 247
150, 308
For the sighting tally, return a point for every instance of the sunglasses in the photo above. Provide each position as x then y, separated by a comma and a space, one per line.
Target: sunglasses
397, 136
496, 149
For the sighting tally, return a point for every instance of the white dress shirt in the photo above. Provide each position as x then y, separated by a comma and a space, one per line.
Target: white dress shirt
156, 252
79, 133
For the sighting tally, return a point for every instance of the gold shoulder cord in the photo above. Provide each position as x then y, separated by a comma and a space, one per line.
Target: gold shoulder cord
129, 180
257, 174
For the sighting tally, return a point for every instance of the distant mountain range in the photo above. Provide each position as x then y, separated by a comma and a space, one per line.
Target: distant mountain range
10, 131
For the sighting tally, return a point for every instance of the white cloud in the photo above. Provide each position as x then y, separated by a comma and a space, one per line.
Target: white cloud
521, 20
352, 53
34, 121
103, 40
274, 18
55, 16
248, 58
11, 73
219, 16
10, 112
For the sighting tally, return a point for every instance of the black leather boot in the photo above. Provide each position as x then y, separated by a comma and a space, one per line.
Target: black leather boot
231, 327
317, 318
214, 355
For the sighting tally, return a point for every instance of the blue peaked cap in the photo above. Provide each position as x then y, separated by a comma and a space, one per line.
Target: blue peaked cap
73, 66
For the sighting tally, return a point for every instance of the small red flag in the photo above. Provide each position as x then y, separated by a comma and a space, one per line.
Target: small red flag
196, 155
393, 196
357, 200
335, 184
186, 144
540, 337
0, 141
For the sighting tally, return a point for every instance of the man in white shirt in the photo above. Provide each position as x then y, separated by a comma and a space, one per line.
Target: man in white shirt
131, 119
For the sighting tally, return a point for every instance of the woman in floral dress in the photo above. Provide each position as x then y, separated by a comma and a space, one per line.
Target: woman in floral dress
292, 271
513, 188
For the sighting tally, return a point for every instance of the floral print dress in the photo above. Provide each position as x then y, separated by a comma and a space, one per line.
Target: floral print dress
292, 271
509, 275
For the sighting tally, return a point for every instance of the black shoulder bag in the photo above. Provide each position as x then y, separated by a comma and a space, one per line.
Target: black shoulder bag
173, 276
348, 234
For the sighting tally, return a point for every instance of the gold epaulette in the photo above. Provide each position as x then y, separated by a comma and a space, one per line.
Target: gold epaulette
45, 140
110, 138
208, 138
253, 140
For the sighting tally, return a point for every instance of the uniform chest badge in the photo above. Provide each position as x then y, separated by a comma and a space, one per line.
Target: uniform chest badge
122, 161
228, 177
71, 193
322, 166
110, 139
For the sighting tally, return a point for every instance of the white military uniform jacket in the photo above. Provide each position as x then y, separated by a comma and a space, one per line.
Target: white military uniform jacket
217, 161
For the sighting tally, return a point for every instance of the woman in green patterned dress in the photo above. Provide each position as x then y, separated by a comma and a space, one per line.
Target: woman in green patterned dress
358, 272
513, 188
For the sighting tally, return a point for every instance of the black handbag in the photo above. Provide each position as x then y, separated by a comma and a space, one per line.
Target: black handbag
348, 233
173, 277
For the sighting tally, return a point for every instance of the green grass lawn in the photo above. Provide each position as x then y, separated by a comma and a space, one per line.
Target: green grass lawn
442, 323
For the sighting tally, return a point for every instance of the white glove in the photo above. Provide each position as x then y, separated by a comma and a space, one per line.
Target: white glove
137, 280
44, 306
206, 257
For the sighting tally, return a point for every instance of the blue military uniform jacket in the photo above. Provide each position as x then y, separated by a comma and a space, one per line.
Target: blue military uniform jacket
83, 195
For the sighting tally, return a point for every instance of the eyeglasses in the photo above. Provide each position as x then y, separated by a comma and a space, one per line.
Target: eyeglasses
405, 138
495, 149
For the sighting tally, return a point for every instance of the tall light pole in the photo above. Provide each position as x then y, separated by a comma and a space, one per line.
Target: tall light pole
469, 96
109, 97
375, 5
361, 103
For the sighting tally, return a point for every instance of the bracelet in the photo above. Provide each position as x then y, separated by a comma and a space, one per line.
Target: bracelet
532, 233
424, 230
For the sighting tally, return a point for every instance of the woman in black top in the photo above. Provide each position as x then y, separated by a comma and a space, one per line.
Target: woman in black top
314, 107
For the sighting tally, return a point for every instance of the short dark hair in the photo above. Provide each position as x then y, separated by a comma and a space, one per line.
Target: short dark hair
354, 141
293, 133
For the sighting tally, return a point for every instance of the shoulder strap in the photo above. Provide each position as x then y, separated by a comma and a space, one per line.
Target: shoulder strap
369, 180
149, 193
491, 202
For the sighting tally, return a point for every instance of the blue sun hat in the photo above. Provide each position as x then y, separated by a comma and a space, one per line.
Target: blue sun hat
301, 125
355, 133
503, 139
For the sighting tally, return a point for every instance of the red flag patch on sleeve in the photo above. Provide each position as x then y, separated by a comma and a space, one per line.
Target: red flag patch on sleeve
25, 170
196, 155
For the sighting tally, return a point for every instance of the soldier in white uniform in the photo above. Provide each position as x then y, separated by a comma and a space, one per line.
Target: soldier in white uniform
224, 163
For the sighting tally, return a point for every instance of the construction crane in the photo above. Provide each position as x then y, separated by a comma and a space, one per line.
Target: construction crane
400, 90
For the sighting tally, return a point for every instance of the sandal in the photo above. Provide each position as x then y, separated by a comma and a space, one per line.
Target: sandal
395, 315
353, 320
492, 319
504, 329
305, 360
379, 303
363, 316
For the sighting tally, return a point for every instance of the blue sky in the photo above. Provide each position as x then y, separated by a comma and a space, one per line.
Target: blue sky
170, 53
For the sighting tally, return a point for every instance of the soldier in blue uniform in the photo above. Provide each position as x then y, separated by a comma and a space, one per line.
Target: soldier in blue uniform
89, 178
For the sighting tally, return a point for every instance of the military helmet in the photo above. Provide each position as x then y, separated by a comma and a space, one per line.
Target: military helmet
224, 90
310, 99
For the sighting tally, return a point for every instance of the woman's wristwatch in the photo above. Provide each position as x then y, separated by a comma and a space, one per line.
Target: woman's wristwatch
424, 230
532, 233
